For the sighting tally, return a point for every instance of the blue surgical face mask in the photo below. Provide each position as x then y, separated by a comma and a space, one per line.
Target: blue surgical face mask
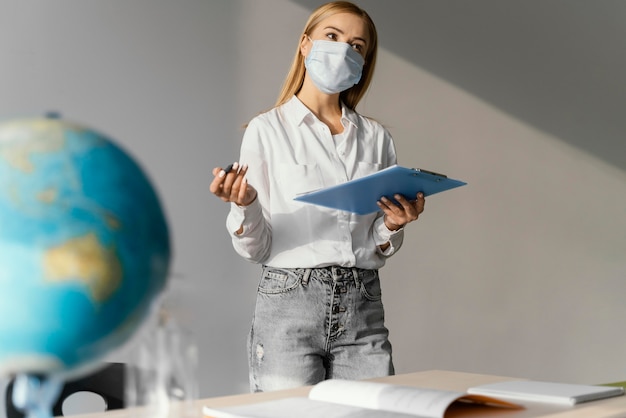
333, 66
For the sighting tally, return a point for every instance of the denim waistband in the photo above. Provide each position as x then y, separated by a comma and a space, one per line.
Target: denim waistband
330, 273
337, 273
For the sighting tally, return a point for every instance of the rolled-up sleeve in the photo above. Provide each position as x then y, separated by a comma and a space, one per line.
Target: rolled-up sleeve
382, 235
254, 242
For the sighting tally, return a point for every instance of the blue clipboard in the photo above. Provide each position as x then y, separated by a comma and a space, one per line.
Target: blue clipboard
360, 195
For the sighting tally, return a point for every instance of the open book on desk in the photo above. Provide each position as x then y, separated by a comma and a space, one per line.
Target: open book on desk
349, 398
360, 195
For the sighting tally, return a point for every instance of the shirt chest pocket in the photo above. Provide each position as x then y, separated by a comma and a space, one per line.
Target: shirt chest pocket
295, 179
364, 168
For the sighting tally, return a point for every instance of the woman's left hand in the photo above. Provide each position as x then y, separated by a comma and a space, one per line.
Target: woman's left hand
400, 214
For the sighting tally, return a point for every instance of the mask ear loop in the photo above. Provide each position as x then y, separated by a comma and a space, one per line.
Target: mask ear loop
310, 40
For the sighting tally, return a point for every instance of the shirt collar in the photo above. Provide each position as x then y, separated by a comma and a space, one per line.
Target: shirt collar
300, 112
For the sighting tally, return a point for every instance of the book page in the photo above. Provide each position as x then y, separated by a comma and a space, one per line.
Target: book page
427, 403
297, 407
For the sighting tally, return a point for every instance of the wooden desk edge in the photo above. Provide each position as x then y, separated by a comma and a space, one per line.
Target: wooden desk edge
436, 379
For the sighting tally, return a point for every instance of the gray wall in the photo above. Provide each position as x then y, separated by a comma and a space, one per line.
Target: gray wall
519, 273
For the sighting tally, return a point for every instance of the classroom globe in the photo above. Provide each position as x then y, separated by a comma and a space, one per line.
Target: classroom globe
84, 247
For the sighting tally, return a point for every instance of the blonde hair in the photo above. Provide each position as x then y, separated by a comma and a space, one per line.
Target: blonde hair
295, 76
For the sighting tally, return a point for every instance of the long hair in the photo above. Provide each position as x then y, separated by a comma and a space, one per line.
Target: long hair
295, 76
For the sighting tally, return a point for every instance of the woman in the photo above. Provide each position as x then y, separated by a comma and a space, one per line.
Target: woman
319, 313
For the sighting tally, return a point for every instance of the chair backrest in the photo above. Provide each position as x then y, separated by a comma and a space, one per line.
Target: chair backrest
107, 382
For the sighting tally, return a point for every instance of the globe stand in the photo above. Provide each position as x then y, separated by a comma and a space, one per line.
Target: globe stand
36, 395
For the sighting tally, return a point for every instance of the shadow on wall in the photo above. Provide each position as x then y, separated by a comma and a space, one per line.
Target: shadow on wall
558, 65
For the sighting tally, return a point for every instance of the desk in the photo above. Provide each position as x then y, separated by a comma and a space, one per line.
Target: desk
436, 379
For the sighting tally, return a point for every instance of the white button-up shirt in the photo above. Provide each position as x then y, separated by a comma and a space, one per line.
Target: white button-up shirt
290, 151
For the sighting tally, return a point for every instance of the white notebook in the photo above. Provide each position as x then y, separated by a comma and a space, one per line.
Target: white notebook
549, 392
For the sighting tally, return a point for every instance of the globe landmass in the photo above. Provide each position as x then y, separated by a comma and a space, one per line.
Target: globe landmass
84, 246
86, 260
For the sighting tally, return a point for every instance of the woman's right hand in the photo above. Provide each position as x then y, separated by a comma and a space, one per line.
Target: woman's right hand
233, 186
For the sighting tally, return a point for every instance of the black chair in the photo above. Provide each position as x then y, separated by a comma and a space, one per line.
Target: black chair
107, 382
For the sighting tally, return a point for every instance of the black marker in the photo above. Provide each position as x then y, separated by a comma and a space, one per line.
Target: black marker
228, 168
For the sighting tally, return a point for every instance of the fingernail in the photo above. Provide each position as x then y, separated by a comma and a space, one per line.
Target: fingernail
221, 174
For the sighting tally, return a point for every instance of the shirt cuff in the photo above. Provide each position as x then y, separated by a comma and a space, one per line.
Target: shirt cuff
384, 234
243, 216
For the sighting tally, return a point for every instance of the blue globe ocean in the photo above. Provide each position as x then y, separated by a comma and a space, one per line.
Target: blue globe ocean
84, 246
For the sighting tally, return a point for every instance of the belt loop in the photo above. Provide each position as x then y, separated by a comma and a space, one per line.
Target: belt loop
305, 277
355, 275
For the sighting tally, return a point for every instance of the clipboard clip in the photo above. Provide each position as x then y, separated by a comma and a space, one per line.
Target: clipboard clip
431, 173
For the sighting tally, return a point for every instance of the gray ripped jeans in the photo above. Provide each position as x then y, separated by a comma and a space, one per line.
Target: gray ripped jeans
315, 324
